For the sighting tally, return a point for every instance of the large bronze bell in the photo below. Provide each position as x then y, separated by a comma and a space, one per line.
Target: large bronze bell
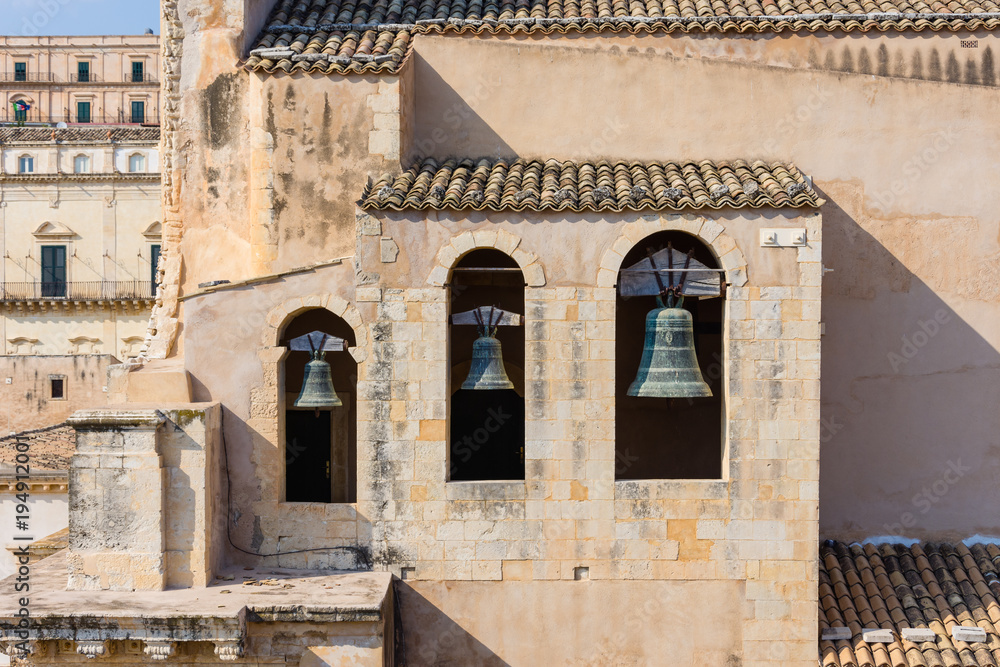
487, 371
669, 366
317, 386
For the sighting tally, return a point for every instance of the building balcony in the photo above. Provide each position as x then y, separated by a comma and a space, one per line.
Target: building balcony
27, 77
76, 77
94, 291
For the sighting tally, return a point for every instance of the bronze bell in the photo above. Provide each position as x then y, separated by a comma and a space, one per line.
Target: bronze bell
487, 371
669, 366
317, 386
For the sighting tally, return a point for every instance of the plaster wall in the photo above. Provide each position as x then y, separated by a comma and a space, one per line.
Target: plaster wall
904, 159
567, 622
49, 514
26, 401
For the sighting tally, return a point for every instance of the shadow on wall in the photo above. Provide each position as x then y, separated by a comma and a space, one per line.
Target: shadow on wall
447, 118
910, 431
430, 637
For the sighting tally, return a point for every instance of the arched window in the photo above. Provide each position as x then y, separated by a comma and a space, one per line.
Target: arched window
81, 164
320, 445
487, 426
669, 438
25, 164
136, 163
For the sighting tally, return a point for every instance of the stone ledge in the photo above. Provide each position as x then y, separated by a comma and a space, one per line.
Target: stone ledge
115, 418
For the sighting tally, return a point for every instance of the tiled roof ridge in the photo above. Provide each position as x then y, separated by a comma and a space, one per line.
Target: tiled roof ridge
347, 37
96, 135
930, 586
524, 184
583, 22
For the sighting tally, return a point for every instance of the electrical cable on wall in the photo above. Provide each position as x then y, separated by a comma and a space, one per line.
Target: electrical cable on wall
359, 554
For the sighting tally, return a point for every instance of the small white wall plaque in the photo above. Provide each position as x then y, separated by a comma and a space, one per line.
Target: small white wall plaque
783, 237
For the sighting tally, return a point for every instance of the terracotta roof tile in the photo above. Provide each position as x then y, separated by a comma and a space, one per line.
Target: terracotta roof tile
926, 586
346, 36
533, 185
50, 448
73, 134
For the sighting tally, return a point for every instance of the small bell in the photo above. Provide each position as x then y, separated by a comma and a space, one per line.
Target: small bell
487, 371
317, 386
669, 366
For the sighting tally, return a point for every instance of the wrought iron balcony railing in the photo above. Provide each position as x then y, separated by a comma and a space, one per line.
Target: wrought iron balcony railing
94, 290
89, 77
31, 117
27, 77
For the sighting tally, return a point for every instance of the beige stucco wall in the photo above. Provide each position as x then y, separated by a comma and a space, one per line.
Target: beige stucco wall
49, 514
567, 622
110, 90
25, 401
911, 229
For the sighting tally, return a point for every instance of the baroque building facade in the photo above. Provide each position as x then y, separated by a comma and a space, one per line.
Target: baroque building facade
103, 79
374, 172
80, 239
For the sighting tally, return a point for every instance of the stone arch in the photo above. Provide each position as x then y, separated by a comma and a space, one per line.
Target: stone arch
707, 231
282, 314
502, 240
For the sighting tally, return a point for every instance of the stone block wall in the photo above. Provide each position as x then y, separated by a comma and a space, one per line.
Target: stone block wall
144, 503
570, 518
754, 528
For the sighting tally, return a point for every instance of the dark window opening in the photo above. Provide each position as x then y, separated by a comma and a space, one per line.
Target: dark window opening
83, 112
154, 264
321, 445
669, 438
54, 270
487, 426
20, 71
57, 386
137, 73
138, 112
83, 71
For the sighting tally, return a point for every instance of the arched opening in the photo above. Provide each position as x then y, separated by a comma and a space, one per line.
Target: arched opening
320, 445
486, 426
669, 438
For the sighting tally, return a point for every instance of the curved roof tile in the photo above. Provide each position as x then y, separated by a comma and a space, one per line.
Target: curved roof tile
491, 184
349, 37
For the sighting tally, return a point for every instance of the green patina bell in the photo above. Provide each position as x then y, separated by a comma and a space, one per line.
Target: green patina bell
669, 366
317, 386
487, 371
